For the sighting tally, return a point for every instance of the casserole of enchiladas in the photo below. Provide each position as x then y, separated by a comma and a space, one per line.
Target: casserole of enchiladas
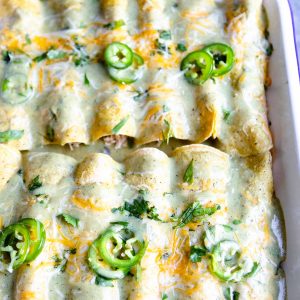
135, 151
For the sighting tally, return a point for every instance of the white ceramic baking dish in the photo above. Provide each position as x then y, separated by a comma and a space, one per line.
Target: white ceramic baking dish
284, 113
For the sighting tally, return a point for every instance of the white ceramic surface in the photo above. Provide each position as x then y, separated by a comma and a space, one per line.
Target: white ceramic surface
284, 114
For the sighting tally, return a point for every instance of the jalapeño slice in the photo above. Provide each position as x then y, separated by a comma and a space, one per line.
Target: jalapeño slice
130, 74
223, 57
115, 252
37, 237
198, 66
118, 55
14, 245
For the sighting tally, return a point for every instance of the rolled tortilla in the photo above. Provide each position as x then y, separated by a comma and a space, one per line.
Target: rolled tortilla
24, 16
10, 161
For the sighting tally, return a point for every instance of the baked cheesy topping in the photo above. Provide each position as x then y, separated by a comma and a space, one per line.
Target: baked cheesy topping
106, 191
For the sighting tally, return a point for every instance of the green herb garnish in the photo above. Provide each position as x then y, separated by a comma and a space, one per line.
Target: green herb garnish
188, 175
7, 56
139, 208
230, 294
162, 48
181, 47
196, 253
50, 133
9, 135
165, 34
101, 281
27, 39
270, 49
114, 25
167, 134
61, 262
5, 85
73, 221
35, 184
236, 222
118, 127
226, 115
86, 80
195, 212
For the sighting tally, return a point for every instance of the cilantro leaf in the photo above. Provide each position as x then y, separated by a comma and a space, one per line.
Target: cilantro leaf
196, 253
7, 56
167, 134
80, 56
35, 184
162, 48
139, 208
188, 175
114, 25
123, 223
181, 47
86, 80
5, 85
50, 133
61, 262
226, 115
56, 54
164, 297
27, 38
270, 49
73, 221
194, 212
165, 34
119, 126
236, 222
229, 294
101, 281
9, 135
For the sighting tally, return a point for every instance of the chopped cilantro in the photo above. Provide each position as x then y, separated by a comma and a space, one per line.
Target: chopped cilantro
162, 48
50, 133
56, 54
9, 135
86, 80
35, 184
139, 208
123, 223
167, 134
196, 253
181, 47
226, 115
5, 85
165, 34
27, 39
118, 127
80, 57
61, 262
114, 25
141, 95
41, 57
270, 49
188, 175
101, 281
195, 212
230, 294
236, 222
73, 221
7, 56
166, 108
